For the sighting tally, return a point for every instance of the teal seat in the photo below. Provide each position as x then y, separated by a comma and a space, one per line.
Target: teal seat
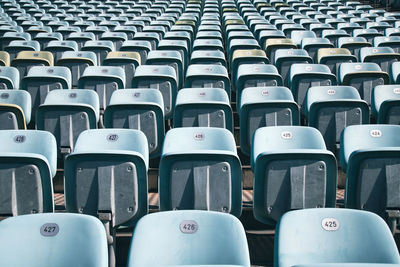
11, 36
383, 56
179, 45
209, 35
45, 37
162, 78
104, 80
333, 57
97, 30
100, 48
265, 106
289, 28
388, 41
206, 57
180, 35
330, 109
311, 45
394, 73
315, 236
363, 76
353, 44
292, 170
9, 78
106, 177
67, 113
284, 58
203, 107
199, 169
16, 46
28, 160
298, 35
246, 56
385, 102
140, 109
129, 31
348, 27
264, 35
368, 34
334, 35
81, 38
152, 37
15, 109
53, 240
116, 37
380, 26
370, 156
208, 44
392, 32
215, 239
304, 76
241, 44
168, 57
318, 28
57, 48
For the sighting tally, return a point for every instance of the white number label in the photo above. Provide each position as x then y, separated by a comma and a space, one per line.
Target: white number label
396, 91
286, 135
265, 93
375, 133
199, 136
330, 224
112, 137
189, 227
49, 229
331, 92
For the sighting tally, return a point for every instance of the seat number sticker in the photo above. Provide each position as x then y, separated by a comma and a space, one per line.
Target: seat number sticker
330, 224
286, 135
188, 227
49, 229
199, 136
375, 133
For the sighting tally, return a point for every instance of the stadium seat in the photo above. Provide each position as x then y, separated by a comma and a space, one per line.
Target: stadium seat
383, 56
44, 38
67, 113
4, 59
81, 38
297, 36
28, 162
246, 56
16, 46
265, 106
264, 35
368, 34
362, 76
139, 46
104, 80
28, 59
199, 169
390, 41
9, 78
129, 61
334, 35
203, 107
271, 45
15, 109
128, 30
284, 58
206, 57
54, 240
208, 44
380, 26
140, 109
178, 45
385, 102
353, 44
170, 58
168, 240
57, 48
116, 37
152, 37
370, 157
100, 48
333, 57
330, 109
315, 236
312, 45
11, 36
106, 177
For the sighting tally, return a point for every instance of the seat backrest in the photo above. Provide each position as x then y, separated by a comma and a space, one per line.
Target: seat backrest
20, 98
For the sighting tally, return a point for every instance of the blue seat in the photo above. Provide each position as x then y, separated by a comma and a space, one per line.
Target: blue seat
362, 76
168, 57
312, 45
152, 37
16, 46
100, 48
315, 236
45, 37
203, 107
15, 109
284, 58
388, 41
140, 109
57, 48
333, 57
179, 45
208, 57
353, 44
297, 36
199, 169
9, 78
383, 56
385, 102
265, 106
28, 162
54, 240
67, 113
81, 38
368, 34
246, 56
292, 170
167, 235
334, 35
330, 109
116, 37
129, 61
370, 156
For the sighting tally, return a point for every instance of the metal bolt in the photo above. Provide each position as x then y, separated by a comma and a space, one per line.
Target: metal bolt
31, 171
129, 169
224, 169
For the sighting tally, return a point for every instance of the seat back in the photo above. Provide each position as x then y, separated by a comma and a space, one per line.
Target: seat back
15, 109
385, 104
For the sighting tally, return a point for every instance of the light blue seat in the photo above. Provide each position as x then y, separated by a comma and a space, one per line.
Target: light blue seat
45, 37
215, 239
11, 36
100, 48
315, 236
116, 37
203, 107
178, 45
390, 41
333, 57
268, 34
208, 57
162, 78
15, 109
28, 161
383, 56
370, 155
246, 56
67, 113
53, 240
311, 45
9, 78
368, 34
168, 57
284, 58
57, 48
354, 44
81, 38
104, 80
16, 46
106, 177
208, 44
140, 109
265, 106
385, 102
292, 170
297, 36
199, 169
392, 32
152, 37
334, 35
363, 76
330, 109
380, 26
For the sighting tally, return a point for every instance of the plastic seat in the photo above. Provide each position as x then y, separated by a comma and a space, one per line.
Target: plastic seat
348, 27
203, 107
106, 177
271, 45
208, 57
368, 34
4, 59
116, 37
370, 156
104, 80
392, 32
379, 26
140, 109
304, 76
170, 58
17, 46
312, 45
139, 46
246, 56
353, 44
208, 44
162, 78
67, 113
129, 61
265, 106
9, 78
388, 41
256, 75
28, 59
284, 58
15, 109
152, 37
44, 38
315, 236
292, 170
11, 36
385, 102
334, 35
330, 109
362, 76
199, 169
128, 30
181, 36
81, 38
207, 76
178, 45
54, 240
264, 35
57, 48
383, 56
100, 48
297, 36
225, 247
333, 57
28, 164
